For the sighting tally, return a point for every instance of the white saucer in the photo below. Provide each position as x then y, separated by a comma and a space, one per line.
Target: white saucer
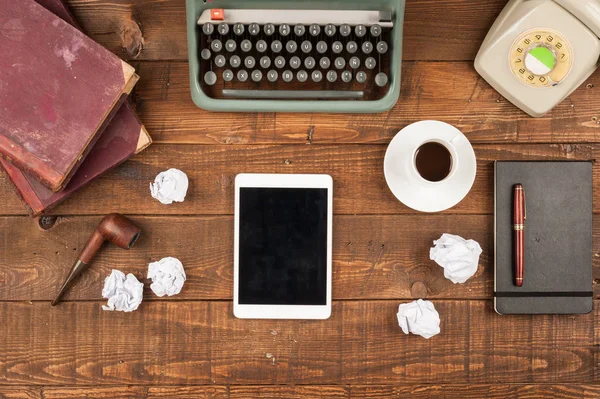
406, 183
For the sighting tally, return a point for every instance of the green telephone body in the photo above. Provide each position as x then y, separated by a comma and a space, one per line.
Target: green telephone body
539, 51
196, 7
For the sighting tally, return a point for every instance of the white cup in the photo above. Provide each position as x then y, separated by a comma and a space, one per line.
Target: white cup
406, 182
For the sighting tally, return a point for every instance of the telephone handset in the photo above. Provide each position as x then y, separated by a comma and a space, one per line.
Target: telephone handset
539, 51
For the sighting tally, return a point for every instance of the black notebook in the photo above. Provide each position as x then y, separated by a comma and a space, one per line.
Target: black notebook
557, 276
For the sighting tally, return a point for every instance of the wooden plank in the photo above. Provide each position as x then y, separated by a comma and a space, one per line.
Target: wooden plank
257, 392
20, 393
374, 257
82, 344
477, 391
186, 342
478, 346
371, 258
449, 91
89, 392
357, 171
444, 391
451, 30
149, 392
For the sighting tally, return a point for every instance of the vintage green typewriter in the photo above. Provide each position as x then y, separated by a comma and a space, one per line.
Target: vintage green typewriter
295, 56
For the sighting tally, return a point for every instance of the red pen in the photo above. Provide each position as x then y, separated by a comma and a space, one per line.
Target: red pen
519, 216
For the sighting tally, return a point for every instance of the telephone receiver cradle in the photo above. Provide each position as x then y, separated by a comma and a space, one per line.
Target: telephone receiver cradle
539, 51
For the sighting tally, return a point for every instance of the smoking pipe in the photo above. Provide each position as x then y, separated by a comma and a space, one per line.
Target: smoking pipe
114, 228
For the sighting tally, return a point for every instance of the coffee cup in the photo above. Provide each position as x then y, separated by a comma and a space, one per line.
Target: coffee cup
430, 166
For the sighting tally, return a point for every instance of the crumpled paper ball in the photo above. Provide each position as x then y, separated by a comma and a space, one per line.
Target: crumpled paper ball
167, 276
458, 257
420, 318
123, 293
170, 186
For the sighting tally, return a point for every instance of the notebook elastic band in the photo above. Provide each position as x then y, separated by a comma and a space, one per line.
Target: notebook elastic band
528, 294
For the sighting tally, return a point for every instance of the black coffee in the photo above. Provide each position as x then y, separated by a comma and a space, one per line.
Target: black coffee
433, 161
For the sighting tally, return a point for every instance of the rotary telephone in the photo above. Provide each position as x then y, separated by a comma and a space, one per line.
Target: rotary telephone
539, 51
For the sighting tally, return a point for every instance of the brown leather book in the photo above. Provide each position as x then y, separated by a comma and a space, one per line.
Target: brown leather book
59, 91
124, 137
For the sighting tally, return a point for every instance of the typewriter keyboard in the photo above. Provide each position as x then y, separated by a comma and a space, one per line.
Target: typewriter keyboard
295, 54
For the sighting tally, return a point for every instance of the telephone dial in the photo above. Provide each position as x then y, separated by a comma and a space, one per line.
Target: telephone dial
539, 51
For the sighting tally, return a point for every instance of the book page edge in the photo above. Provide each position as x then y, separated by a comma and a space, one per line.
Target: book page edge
144, 140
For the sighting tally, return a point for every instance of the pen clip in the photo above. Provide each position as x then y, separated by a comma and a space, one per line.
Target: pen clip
524, 205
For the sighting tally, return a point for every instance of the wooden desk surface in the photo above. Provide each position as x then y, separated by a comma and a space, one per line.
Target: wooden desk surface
190, 346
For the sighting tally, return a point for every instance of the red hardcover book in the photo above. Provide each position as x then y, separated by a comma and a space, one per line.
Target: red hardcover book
124, 137
58, 91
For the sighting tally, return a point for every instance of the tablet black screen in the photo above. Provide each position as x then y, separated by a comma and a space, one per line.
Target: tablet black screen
283, 246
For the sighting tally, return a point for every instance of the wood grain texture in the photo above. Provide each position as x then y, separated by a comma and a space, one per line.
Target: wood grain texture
201, 342
357, 171
190, 346
447, 391
476, 391
90, 392
374, 257
79, 343
449, 91
271, 392
452, 30
20, 393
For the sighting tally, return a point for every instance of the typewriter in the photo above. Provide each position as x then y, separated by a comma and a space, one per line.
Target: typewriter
295, 56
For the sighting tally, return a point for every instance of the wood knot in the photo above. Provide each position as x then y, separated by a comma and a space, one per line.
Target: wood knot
225, 181
310, 134
569, 148
418, 290
131, 38
47, 222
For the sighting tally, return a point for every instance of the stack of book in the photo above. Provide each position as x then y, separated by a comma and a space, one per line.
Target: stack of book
65, 117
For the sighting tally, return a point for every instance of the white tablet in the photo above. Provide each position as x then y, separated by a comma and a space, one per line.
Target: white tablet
282, 246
